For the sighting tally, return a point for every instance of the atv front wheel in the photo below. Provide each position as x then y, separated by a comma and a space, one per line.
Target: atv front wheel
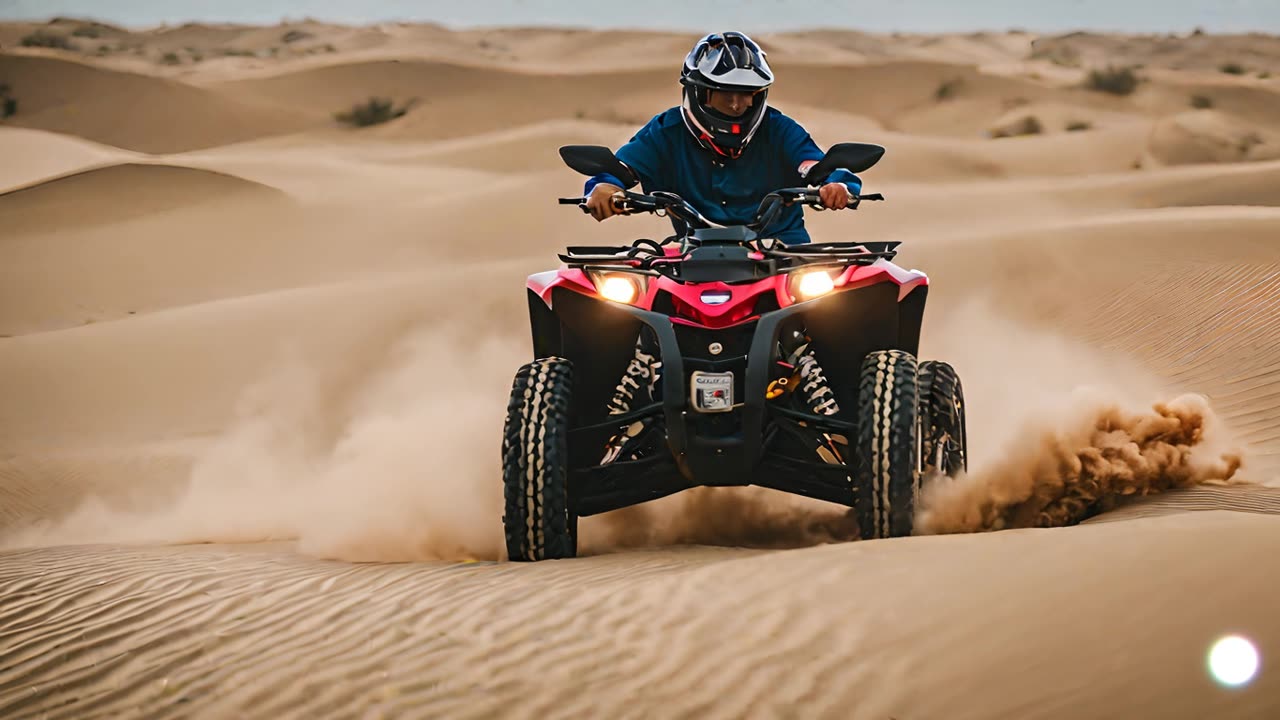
539, 521
944, 447
887, 445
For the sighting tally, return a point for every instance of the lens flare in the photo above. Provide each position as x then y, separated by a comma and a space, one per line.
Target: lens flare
1233, 661
618, 289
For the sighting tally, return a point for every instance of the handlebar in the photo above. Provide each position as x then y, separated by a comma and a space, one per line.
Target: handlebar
661, 203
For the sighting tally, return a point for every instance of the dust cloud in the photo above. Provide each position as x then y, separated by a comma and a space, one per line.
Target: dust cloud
398, 459
1060, 477
401, 465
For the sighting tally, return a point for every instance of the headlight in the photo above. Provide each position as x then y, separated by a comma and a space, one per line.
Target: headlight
619, 287
810, 284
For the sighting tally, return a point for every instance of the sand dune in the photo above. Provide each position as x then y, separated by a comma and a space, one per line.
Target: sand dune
1167, 93
254, 366
115, 193
451, 105
1207, 136
1206, 52
34, 155
131, 111
58, 269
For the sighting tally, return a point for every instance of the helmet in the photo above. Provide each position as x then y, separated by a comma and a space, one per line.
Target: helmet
732, 62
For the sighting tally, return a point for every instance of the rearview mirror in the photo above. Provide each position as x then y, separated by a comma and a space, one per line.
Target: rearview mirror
854, 157
591, 160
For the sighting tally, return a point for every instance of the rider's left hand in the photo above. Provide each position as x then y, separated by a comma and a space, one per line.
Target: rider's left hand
835, 196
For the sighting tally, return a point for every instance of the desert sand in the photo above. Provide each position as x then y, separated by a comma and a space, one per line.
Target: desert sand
254, 362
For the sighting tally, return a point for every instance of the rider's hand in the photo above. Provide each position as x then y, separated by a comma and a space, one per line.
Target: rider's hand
835, 196
600, 202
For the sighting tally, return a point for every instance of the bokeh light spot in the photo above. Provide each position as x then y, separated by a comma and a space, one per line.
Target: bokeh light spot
1233, 661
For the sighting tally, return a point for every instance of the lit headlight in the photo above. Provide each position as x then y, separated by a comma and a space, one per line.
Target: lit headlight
811, 284
619, 287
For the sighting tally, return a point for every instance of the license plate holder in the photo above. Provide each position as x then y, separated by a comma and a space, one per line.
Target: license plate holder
711, 392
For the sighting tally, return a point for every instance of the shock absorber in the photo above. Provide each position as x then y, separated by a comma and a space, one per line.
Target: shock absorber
643, 371
814, 387
814, 391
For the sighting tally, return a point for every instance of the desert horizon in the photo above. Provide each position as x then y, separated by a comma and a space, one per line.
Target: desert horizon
262, 298
923, 16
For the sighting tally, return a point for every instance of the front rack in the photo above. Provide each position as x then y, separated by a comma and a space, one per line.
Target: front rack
641, 254
851, 252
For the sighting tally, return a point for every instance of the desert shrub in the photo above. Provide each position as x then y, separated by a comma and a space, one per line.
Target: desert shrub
44, 39
87, 31
8, 103
295, 36
1078, 125
1264, 75
170, 58
1201, 102
1247, 142
1117, 81
374, 111
1029, 125
948, 89
1232, 68
1056, 53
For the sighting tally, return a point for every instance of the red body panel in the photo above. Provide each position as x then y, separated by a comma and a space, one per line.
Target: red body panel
740, 308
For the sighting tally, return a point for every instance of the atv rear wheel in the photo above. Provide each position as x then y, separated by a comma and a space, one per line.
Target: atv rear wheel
944, 447
887, 445
539, 522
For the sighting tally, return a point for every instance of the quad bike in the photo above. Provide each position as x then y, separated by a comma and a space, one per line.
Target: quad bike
722, 357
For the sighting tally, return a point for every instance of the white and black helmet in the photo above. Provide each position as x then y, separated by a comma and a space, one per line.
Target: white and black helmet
731, 62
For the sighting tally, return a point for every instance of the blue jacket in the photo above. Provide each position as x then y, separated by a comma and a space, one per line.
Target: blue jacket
665, 156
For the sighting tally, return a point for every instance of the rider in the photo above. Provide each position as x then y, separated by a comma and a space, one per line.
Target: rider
699, 150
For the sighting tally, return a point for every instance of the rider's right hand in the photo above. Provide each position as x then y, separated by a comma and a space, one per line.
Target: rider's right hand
600, 202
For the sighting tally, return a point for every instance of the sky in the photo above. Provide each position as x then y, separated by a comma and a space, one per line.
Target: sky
698, 16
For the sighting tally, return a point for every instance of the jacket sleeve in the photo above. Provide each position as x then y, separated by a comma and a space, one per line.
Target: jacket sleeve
802, 152
642, 153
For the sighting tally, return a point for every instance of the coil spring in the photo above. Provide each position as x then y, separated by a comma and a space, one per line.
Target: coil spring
814, 388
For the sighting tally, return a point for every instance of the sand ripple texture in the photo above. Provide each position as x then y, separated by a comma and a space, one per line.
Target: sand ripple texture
848, 630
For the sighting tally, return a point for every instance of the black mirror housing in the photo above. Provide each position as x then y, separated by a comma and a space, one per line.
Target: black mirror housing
592, 160
854, 157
